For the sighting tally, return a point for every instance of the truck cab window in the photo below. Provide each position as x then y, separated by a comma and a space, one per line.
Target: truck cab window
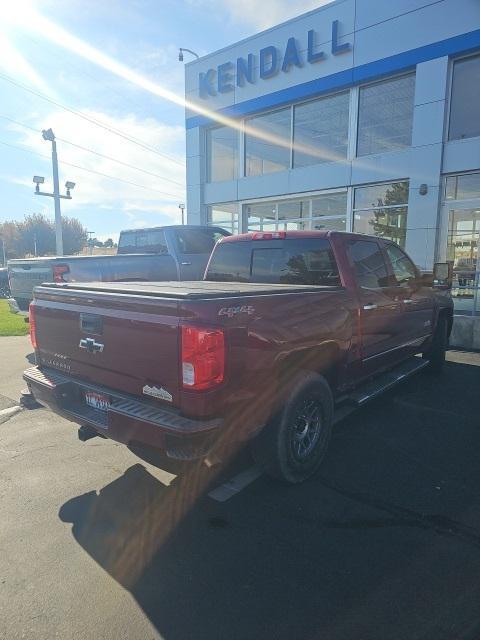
368, 264
403, 268
151, 241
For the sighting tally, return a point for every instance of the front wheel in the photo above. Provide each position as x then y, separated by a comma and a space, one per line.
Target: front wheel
293, 444
437, 350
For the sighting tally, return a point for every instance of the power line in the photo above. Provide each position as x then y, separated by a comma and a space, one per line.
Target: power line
97, 153
91, 120
76, 166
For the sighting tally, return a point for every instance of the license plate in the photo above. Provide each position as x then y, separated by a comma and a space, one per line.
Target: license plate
97, 400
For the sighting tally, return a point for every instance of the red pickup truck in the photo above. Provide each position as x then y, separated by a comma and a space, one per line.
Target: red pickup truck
287, 331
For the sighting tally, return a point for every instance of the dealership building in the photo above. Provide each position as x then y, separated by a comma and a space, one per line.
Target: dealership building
361, 115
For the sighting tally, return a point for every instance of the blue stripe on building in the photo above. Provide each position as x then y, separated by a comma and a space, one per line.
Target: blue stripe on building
345, 79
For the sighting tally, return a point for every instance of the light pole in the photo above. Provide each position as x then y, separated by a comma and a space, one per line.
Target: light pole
180, 53
47, 134
182, 209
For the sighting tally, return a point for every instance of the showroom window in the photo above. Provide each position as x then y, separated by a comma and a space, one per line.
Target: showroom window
224, 215
381, 210
320, 130
269, 151
385, 115
322, 211
465, 98
222, 154
462, 187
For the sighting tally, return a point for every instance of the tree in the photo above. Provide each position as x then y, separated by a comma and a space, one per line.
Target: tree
108, 243
74, 235
10, 235
36, 231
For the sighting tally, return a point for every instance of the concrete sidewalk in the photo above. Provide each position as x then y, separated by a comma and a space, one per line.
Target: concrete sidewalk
16, 355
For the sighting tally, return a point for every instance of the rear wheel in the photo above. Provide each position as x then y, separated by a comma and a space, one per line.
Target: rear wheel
436, 352
293, 444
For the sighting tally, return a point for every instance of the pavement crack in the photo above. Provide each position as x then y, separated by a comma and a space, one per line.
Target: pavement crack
402, 516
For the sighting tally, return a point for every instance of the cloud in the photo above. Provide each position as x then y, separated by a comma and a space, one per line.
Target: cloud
263, 14
146, 192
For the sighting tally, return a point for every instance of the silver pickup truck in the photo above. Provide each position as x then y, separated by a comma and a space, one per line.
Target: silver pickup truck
154, 254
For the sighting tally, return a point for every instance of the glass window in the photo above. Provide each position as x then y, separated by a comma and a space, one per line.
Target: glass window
192, 241
403, 268
385, 115
329, 224
222, 154
462, 249
293, 209
381, 210
151, 241
325, 211
321, 130
309, 261
224, 215
271, 151
465, 98
329, 204
126, 243
368, 263
230, 262
462, 187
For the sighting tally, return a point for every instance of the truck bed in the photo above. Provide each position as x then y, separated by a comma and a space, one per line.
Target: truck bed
192, 290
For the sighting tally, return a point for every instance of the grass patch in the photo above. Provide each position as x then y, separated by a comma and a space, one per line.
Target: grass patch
11, 324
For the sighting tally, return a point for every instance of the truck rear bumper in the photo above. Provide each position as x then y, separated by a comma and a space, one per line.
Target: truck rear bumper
127, 420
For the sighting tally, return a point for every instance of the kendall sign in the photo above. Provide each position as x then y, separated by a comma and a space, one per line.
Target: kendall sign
271, 62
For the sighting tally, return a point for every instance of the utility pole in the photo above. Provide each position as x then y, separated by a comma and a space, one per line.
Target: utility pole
90, 241
47, 134
3, 248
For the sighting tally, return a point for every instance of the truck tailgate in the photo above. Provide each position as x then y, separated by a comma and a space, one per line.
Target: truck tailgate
127, 343
24, 276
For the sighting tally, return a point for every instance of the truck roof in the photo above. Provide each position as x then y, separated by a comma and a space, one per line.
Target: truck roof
184, 290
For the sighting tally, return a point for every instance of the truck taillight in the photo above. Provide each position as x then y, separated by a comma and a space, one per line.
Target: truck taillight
269, 235
59, 270
203, 357
33, 325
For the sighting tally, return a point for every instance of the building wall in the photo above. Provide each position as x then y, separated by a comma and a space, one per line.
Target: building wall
386, 38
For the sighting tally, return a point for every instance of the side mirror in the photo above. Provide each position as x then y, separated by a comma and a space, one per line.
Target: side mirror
443, 275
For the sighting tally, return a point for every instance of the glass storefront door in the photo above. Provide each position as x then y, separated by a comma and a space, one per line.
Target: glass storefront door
463, 240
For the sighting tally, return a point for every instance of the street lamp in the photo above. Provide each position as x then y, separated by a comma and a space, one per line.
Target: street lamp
182, 208
38, 180
47, 134
180, 53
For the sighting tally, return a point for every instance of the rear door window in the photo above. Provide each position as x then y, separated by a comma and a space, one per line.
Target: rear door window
368, 263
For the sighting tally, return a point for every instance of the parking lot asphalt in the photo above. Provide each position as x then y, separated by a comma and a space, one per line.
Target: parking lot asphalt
383, 543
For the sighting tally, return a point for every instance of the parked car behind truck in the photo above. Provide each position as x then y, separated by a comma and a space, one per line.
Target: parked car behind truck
287, 330
158, 253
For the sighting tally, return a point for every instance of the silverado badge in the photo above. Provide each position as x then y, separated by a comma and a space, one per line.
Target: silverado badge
156, 392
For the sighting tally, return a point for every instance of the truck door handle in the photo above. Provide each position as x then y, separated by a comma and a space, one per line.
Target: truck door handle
369, 307
185, 264
407, 300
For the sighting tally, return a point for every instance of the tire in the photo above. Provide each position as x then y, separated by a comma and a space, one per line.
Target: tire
438, 347
293, 444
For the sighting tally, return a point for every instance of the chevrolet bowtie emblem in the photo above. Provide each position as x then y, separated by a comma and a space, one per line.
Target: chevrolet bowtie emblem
90, 345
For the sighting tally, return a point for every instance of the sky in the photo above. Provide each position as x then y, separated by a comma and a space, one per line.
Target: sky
105, 76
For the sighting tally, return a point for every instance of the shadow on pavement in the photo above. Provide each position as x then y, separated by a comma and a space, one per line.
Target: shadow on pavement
385, 544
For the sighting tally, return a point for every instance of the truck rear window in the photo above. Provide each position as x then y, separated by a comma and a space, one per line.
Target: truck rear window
143, 241
309, 261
